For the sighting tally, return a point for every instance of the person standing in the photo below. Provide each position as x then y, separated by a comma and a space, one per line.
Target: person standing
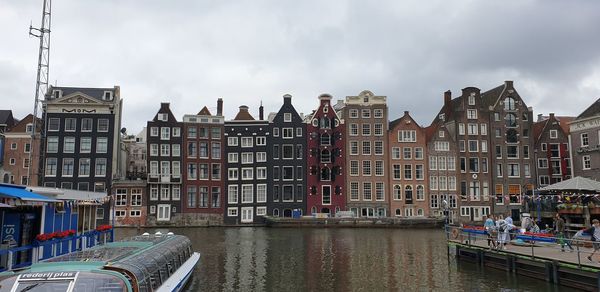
489, 225
595, 232
561, 235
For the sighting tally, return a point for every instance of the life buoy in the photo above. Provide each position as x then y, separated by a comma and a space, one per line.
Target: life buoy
454, 233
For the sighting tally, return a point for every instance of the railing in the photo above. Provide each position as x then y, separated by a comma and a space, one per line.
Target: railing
24, 256
536, 245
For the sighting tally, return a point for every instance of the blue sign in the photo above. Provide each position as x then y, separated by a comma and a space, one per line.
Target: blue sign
11, 228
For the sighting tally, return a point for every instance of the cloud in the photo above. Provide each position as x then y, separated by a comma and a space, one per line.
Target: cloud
192, 52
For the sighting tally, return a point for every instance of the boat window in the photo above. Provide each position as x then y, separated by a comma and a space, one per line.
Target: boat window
91, 282
43, 286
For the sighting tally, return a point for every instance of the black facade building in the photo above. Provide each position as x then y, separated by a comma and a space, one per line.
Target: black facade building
248, 175
164, 156
287, 162
79, 146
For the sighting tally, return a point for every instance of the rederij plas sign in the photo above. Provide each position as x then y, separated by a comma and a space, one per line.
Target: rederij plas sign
48, 276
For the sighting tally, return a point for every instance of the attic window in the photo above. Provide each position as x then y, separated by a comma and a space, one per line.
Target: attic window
472, 99
107, 95
29, 128
442, 117
56, 93
163, 117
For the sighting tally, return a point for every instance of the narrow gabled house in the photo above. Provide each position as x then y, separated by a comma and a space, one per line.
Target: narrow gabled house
408, 179
164, 167
287, 162
325, 133
443, 173
366, 138
511, 142
18, 151
203, 161
247, 168
585, 142
551, 149
467, 120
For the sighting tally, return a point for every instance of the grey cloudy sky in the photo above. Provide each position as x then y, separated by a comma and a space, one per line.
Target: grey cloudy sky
192, 52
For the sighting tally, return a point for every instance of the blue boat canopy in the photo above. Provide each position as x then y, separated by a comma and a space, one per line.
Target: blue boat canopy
19, 192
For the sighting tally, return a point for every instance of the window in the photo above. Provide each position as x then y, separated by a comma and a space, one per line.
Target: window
215, 171
354, 113
379, 168
153, 149
136, 197
483, 129
121, 197
397, 192
232, 173
67, 167
442, 163
407, 136
261, 173
354, 167
120, 213
587, 162
247, 157
474, 191
451, 161
367, 191
154, 131
513, 170
232, 194
509, 104
176, 150
472, 114
260, 156
510, 120
53, 124
288, 173
378, 129
70, 125
498, 151
544, 180
452, 183
288, 133
395, 152
165, 150
461, 128
408, 193
366, 113
366, 167
164, 213
484, 146
261, 141
542, 163
419, 172
51, 145
418, 153
379, 191
247, 194
472, 129
407, 171
164, 192
50, 166
288, 193
102, 125
100, 167
354, 191
153, 193
442, 146
275, 132
585, 141
473, 146
433, 183
101, 145
553, 134
353, 147
215, 149
84, 166
353, 129
326, 195
397, 171
298, 132
544, 147
433, 201
247, 142
526, 151
421, 193
288, 152
325, 139
407, 153
203, 149
247, 173
366, 129
232, 212
473, 164
366, 147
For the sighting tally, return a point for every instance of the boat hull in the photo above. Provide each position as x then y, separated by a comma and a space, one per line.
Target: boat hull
179, 279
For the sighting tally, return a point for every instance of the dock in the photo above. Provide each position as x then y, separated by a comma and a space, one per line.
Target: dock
544, 261
362, 222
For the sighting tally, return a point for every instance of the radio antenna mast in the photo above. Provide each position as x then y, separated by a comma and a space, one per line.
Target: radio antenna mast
41, 87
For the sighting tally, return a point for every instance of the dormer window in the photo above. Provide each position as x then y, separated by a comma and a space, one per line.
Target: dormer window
56, 93
163, 117
29, 128
107, 95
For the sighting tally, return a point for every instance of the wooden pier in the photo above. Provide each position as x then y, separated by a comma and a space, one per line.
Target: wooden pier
541, 261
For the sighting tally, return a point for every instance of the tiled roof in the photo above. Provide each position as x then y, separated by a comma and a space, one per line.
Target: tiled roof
490, 97
6, 117
204, 112
243, 115
21, 127
93, 92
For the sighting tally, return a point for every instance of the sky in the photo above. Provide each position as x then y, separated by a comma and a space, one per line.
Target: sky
190, 53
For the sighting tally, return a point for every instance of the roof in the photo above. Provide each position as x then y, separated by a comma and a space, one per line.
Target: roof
577, 184
6, 117
204, 112
21, 126
490, 97
243, 114
538, 127
21, 193
592, 110
97, 93
66, 194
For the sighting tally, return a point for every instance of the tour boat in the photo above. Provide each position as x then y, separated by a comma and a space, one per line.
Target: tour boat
158, 262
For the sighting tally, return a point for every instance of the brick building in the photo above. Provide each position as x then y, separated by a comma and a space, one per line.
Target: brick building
552, 155
18, 150
130, 202
585, 142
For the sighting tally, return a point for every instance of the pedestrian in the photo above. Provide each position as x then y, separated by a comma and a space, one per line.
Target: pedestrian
534, 227
503, 235
561, 235
595, 232
511, 225
489, 225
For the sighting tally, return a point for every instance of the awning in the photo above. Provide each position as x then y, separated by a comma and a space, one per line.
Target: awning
5, 206
577, 184
19, 192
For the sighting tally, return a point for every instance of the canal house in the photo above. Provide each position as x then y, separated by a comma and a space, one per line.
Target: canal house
325, 160
164, 167
366, 138
287, 162
409, 179
20, 149
247, 167
203, 162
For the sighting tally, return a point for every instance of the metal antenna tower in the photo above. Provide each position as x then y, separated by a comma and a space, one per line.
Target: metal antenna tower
41, 87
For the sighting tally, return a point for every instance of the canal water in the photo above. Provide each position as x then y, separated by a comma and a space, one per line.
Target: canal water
314, 259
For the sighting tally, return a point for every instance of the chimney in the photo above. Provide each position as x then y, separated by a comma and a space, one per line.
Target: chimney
508, 83
447, 97
552, 115
219, 107
540, 117
164, 105
261, 111
406, 113
287, 99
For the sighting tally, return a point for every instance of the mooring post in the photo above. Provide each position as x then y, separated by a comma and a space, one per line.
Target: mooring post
579, 260
532, 250
555, 266
549, 272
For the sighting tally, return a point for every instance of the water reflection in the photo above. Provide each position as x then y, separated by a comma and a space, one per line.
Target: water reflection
268, 259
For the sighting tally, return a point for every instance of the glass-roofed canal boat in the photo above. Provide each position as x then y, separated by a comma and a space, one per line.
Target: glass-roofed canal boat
157, 262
